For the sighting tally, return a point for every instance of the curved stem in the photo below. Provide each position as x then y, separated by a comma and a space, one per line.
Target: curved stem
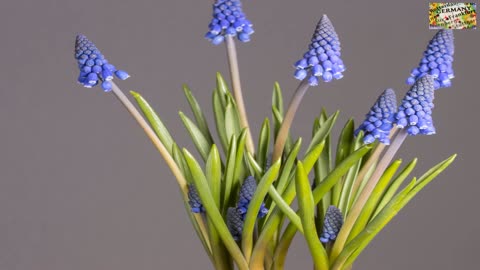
237, 90
365, 194
288, 119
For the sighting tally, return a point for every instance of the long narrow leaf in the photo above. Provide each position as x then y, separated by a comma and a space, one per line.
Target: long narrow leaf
254, 207
323, 131
202, 144
219, 113
263, 144
155, 121
213, 212
307, 214
198, 113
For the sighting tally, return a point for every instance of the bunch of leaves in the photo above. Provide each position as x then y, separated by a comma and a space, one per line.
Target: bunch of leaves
265, 242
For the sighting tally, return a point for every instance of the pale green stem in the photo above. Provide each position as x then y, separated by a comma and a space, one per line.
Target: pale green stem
237, 90
365, 194
288, 119
163, 151
370, 162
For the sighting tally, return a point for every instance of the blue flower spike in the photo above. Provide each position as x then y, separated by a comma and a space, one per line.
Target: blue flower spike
415, 112
379, 120
228, 19
94, 68
247, 190
235, 223
331, 225
322, 60
194, 200
437, 60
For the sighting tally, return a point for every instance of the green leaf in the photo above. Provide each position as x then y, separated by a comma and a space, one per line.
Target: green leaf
221, 84
263, 144
219, 113
395, 185
232, 124
214, 174
254, 207
257, 170
323, 131
182, 164
155, 121
358, 244
239, 169
198, 113
212, 211
373, 200
277, 99
287, 170
350, 178
285, 207
229, 172
307, 214
344, 147
202, 144
322, 167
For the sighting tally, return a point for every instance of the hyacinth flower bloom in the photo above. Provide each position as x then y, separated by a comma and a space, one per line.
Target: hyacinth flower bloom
332, 224
437, 60
247, 190
230, 21
415, 112
321, 60
379, 120
94, 67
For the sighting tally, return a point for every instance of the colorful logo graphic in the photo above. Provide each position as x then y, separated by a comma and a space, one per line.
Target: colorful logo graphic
452, 16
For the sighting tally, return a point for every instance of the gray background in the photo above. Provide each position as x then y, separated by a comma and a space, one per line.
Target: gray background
81, 187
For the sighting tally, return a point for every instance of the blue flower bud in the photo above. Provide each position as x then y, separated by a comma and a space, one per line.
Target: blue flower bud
228, 19
93, 66
379, 120
332, 223
247, 190
235, 223
322, 60
194, 200
415, 112
437, 60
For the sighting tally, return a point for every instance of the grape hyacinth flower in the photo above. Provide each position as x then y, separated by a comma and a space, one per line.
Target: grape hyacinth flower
323, 56
228, 19
415, 112
194, 200
94, 68
437, 60
332, 224
379, 120
235, 223
247, 190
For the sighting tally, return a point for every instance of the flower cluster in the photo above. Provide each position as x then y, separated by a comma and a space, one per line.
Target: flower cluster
194, 200
235, 223
323, 56
331, 225
247, 190
228, 19
379, 120
415, 112
437, 60
93, 65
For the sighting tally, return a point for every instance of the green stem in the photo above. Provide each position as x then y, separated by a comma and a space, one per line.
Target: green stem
288, 119
365, 194
237, 89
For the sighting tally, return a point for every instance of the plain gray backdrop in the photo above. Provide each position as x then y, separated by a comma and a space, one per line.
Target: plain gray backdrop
81, 186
